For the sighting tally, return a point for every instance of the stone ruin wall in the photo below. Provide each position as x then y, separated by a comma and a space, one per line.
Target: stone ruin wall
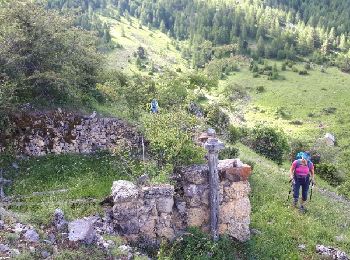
57, 132
151, 212
154, 212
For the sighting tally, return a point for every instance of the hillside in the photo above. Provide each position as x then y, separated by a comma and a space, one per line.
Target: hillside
279, 229
271, 81
160, 54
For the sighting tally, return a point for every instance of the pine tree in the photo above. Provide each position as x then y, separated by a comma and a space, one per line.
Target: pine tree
162, 27
260, 47
342, 42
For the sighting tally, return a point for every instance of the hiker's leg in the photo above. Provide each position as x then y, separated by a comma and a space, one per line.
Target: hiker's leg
296, 189
304, 191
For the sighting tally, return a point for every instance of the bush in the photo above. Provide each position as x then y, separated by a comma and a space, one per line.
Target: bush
284, 66
344, 189
170, 139
329, 110
283, 113
303, 72
216, 118
296, 122
296, 146
294, 69
198, 245
234, 134
229, 152
269, 142
329, 172
307, 66
260, 89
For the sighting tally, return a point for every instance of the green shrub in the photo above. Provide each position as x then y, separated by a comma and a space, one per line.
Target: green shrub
269, 142
329, 172
233, 134
303, 72
284, 66
296, 122
283, 113
294, 69
229, 152
198, 245
170, 137
307, 66
216, 118
329, 110
260, 89
344, 189
297, 145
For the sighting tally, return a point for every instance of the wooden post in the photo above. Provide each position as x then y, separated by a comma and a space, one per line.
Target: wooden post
213, 146
2, 183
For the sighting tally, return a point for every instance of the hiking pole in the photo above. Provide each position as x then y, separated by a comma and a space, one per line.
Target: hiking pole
291, 188
312, 184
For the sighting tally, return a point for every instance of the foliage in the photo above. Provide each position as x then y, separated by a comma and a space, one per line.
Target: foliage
197, 245
170, 136
260, 89
235, 91
344, 189
44, 57
283, 113
172, 90
269, 142
330, 173
202, 82
303, 72
218, 68
216, 118
233, 134
229, 152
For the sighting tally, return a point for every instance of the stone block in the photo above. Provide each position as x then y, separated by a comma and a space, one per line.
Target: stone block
236, 190
81, 230
165, 204
124, 191
239, 230
196, 174
197, 216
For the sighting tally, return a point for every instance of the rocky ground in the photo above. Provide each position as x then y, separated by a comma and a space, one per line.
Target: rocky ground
62, 239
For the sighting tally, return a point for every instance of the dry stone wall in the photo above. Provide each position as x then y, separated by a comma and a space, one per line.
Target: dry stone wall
153, 212
58, 132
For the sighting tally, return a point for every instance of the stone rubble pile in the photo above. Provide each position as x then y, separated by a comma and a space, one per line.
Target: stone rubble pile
59, 132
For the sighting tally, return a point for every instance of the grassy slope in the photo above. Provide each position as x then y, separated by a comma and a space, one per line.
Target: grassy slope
283, 228
157, 45
300, 95
84, 177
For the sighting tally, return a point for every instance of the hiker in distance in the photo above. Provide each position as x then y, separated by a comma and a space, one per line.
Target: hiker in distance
301, 171
154, 106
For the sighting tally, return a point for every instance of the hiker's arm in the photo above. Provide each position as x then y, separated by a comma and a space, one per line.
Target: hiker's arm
291, 172
313, 175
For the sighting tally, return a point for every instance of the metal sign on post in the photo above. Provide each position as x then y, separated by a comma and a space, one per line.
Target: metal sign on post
213, 145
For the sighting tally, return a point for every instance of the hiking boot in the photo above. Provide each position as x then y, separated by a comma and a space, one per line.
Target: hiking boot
302, 209
295, 204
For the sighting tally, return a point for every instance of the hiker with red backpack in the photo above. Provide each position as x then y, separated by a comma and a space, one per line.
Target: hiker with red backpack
301, 174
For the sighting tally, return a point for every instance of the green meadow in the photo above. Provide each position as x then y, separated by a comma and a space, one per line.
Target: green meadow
304, 106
